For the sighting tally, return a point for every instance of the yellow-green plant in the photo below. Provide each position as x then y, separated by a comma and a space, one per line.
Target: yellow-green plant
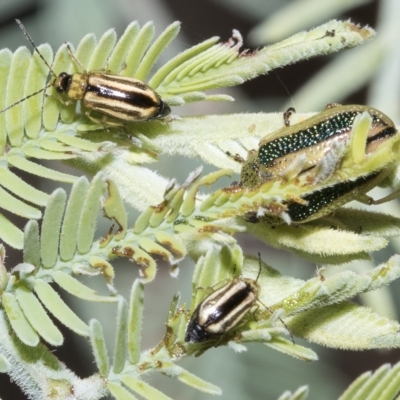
175, 221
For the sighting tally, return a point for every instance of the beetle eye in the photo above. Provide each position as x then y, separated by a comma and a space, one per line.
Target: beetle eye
163, 110
62, 82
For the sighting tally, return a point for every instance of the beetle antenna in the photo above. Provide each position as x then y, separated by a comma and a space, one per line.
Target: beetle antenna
268, 308
33, 44
280, 319
25, 98
260, 266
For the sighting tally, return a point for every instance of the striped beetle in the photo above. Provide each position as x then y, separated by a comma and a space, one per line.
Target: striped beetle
222, 310
225, 309
122, 98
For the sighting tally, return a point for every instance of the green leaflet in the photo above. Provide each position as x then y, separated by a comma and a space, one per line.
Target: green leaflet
99, 347
190, 379
90, 210
144, 389
53, 302
300, 394
135, 321
119, 392
70, 226
38, 317
79, 290
19, 322
10, 233
51, 228
120, 350
383, 384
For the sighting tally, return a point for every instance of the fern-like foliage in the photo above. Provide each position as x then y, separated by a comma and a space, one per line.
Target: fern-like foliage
44, 129
382, 384
316, 310
175, 220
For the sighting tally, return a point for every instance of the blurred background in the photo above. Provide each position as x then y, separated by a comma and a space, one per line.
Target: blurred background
369, 75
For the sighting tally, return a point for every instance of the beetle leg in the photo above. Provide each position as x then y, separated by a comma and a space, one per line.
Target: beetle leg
60, 99
392, 196
104, 120
287, 114
236, 157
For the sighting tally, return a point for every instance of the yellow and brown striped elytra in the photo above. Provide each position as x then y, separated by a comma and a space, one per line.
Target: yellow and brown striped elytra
225, 309
222, 310
118, 98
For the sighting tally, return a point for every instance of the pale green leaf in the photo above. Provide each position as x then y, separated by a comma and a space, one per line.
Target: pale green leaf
136, 304
103, 49
53, 302
173, 242
137, 49
5, 64
73, 286
143, 389
383, 384
10, 203
105, 268
346, 326
155, 50
10, 234
42, 154
318, 244
294, 350
23, 329
84, 52
384, 273
36, 80
4, 277
4, 364
276, 27
142, 222
91, 206
368, 222
83, 144
147, 264
173, 64
55, 146
223, 65
120, 349
51, 228
32, 244
99, 347
114, 209
190, 379
16, 185
300, 394
151, 247
119, 392
387, 383
328, 241
321, 292
15, 92
69, 230
51, 105
39, 170
38, 317
117, 57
